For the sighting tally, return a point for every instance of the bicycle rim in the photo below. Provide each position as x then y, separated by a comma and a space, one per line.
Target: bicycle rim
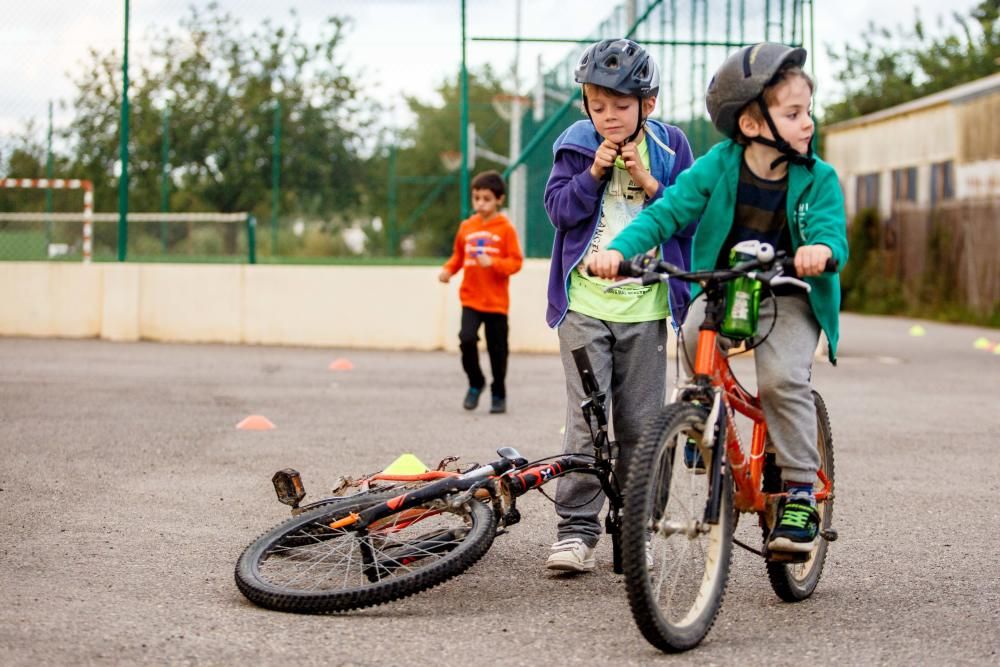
676, 566
305, 566
797, 581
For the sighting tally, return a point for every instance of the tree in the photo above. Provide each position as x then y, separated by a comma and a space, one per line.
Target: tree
892, 68
221, 84
428, 199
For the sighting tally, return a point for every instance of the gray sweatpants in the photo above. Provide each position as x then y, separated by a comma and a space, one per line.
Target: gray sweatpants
629, 361
784, 370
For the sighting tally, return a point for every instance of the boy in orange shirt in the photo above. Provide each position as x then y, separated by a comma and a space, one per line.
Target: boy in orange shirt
486, 247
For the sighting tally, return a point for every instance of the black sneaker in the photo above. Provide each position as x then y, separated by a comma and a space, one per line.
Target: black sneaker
498, 405
796, 527
471, 398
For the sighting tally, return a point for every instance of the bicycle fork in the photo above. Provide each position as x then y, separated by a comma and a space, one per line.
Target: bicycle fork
716, 425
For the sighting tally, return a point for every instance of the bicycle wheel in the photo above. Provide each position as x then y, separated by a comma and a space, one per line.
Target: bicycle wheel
304, 566
676, 566
797, 581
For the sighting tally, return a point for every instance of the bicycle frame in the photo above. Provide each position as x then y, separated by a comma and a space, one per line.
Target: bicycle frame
500, 482
711, 369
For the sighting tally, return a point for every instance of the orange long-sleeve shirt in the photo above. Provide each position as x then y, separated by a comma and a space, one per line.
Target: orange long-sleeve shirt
486, 288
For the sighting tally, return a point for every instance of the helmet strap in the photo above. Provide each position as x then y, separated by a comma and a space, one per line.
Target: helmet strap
788, 154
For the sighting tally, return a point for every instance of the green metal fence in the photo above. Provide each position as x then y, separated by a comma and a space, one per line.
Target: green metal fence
689, 40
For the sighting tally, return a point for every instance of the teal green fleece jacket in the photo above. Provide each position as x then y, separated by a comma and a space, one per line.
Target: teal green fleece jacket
707, 190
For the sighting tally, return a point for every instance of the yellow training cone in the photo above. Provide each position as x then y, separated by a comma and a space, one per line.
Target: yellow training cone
406, 464
917, 330
982, 344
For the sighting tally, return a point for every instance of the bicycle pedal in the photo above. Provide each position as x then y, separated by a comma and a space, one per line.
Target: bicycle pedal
787, 556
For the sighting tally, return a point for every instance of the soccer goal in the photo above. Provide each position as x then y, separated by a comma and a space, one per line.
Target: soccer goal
198, 237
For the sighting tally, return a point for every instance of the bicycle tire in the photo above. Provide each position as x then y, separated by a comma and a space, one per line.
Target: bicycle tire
793, 582
664, 505
303, 566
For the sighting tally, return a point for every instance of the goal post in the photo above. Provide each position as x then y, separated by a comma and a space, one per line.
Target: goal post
88, 219
64, 184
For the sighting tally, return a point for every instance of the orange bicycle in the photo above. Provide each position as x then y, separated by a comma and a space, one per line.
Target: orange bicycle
691, 476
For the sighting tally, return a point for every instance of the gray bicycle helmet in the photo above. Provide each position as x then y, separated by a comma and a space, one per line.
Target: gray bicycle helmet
620, 65
742, 78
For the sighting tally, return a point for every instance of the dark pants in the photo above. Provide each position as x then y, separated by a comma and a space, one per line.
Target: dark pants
496, 345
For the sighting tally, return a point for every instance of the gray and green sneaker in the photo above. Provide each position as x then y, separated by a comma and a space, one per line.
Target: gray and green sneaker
796, 527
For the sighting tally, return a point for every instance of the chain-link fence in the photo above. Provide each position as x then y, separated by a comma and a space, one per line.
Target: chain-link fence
267, 124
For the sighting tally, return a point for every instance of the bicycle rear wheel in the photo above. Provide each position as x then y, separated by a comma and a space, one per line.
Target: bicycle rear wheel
676, 565
797, 581
304, 566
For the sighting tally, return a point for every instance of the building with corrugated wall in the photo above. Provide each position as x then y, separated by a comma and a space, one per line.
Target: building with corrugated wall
945, 146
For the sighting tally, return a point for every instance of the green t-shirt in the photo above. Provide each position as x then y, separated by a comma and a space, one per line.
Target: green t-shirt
623, 200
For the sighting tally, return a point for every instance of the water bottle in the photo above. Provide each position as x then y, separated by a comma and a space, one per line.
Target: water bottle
742, 295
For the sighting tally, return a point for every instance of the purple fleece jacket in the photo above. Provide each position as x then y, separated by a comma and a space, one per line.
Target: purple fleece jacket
573, 201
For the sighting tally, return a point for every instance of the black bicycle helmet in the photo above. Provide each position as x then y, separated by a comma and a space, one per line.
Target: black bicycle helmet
620, 65
741, 80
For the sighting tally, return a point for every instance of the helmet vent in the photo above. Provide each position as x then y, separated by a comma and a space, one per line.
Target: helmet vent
611, 62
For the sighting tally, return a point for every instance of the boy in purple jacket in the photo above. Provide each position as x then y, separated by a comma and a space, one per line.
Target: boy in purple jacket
606, 170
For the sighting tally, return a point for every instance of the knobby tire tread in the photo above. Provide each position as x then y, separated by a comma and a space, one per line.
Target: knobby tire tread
779, 573
477, 543
634, 536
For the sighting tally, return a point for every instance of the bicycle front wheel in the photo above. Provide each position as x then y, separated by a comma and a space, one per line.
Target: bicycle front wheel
797, 581
676, 564
303, 565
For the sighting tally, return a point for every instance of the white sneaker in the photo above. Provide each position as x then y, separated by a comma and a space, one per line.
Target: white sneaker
571, 555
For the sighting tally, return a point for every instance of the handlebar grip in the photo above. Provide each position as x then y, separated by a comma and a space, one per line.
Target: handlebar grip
788, 264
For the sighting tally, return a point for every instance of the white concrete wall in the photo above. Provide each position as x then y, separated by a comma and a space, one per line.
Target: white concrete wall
334, 306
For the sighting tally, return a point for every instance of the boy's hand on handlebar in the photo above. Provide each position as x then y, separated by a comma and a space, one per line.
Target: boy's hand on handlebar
604, 157
605, 264
810, 260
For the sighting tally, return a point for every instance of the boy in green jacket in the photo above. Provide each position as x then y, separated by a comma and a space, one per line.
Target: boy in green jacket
764, 184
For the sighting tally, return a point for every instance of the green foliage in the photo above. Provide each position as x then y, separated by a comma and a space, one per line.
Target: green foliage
428, 201
869, 286
866, 285
890, 68
221, 84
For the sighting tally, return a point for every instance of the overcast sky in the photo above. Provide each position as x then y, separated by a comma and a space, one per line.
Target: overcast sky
405, 46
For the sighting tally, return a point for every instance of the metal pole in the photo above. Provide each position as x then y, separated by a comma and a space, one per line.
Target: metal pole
252, 238
123, 154
275, 177
165, 176
517, 203
392, 223
49, 174
463, 184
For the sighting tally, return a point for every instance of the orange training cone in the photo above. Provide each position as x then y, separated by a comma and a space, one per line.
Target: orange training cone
341, 365
255, 423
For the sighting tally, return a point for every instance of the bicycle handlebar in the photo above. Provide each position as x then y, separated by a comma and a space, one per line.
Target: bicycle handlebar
647, 270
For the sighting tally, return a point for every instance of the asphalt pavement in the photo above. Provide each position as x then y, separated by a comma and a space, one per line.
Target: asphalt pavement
127, 493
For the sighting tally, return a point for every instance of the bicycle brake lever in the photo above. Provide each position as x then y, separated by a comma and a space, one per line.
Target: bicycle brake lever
786, 280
